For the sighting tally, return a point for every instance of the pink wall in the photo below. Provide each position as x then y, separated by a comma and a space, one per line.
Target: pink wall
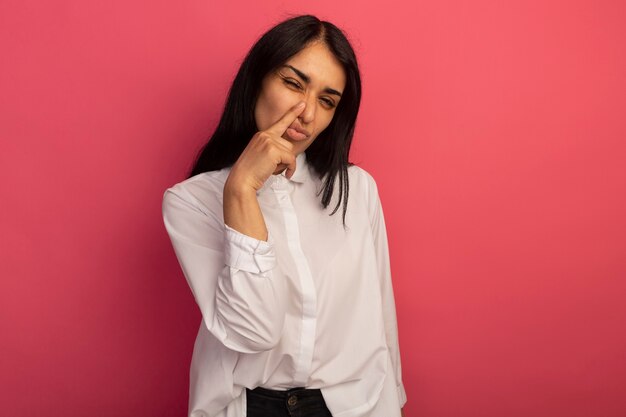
495, 131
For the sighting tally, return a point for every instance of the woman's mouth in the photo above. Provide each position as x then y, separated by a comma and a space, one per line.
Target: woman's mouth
297, 133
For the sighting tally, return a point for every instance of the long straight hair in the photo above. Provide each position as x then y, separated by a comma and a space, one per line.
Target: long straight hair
328, 153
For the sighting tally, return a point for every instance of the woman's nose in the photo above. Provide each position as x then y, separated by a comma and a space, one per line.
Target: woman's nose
308, 115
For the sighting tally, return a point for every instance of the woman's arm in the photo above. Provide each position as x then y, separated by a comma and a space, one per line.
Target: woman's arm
379, 233
229, 263
267, 153
230, 274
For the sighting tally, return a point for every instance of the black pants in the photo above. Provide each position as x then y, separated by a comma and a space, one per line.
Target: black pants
296, 402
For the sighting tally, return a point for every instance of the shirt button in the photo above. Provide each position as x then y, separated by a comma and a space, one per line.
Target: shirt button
292, 400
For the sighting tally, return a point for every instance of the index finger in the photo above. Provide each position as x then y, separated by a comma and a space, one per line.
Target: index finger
284, 122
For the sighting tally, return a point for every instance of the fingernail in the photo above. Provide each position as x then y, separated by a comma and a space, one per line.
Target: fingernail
299, 105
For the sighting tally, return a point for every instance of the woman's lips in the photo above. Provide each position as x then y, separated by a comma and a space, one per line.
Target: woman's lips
297, 133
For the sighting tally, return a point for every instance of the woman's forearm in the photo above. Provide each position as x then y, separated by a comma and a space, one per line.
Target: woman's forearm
242, 211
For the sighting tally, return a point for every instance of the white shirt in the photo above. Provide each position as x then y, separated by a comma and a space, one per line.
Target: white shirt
312, 306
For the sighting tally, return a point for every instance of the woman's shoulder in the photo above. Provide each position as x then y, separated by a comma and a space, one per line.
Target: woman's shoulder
204, 181
203, 190
360, 179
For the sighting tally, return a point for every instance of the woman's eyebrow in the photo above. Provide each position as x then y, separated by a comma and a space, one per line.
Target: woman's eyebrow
307, 80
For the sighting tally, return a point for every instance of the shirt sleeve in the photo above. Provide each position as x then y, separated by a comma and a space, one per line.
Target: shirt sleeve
379, 232
230, 275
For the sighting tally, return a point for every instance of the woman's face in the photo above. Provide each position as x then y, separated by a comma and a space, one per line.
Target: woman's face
314, 76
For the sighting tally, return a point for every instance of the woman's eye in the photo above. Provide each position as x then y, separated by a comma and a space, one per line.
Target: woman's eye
328, 102
292, 83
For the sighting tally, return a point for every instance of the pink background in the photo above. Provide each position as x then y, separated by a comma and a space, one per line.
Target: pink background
495, 131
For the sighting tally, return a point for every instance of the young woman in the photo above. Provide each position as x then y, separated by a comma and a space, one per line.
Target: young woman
298, 312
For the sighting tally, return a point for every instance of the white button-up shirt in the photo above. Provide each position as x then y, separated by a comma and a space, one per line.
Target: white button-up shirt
312, 306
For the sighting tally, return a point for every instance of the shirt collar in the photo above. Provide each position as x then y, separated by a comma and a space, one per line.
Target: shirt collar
302, 169
302, 174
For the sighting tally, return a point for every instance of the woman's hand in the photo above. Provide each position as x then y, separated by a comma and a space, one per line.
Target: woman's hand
267, 153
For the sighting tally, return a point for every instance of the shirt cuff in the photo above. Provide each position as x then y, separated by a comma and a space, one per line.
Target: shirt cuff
246, 253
